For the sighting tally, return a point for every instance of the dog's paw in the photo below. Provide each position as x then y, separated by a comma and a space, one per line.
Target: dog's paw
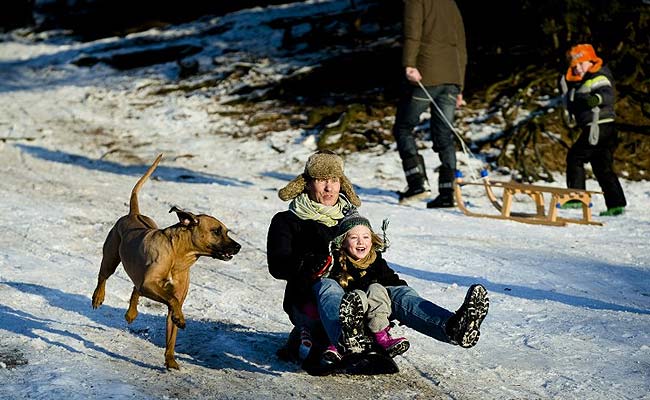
130, 316
98, 297
97, 302
171, 364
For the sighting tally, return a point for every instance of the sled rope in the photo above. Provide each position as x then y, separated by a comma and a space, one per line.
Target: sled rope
466, 150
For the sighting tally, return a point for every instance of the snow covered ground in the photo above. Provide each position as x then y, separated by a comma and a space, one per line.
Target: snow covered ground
570, 306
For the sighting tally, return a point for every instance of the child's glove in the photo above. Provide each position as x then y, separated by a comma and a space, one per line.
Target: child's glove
588, 100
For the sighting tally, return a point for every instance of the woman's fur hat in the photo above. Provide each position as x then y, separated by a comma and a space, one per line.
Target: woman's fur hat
323, 164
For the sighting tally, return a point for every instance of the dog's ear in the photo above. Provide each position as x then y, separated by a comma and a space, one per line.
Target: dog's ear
185, 217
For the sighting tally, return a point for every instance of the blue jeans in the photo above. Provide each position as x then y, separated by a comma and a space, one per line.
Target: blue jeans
328, 294
417, 313
407, 118
407, 307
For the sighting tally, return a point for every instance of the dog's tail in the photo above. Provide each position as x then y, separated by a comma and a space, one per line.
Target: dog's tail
134, 208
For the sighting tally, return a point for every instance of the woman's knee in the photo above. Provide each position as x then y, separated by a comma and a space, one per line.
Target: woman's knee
398, 294
328, 286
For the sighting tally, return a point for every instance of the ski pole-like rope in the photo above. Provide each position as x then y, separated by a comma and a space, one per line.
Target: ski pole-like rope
384, 228
466, 149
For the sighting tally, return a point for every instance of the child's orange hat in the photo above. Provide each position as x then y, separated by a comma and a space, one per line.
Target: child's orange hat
580, 53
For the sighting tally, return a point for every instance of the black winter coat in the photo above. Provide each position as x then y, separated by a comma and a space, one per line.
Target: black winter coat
377, 272
292, 245
600, 83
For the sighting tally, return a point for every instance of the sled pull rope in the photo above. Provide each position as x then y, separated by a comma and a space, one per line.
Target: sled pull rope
466, 150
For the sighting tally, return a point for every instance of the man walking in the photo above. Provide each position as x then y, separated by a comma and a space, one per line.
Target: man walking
434, 56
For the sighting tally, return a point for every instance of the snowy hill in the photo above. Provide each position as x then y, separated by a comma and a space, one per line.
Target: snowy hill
570, 306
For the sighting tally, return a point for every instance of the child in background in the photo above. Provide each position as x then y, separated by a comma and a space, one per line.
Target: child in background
588, 87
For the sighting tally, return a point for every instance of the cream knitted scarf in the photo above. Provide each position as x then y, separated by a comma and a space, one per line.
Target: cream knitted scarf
306, 209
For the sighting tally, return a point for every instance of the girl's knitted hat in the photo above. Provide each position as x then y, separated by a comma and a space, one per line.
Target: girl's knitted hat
320, 165
347, 223
355, 219
581, 53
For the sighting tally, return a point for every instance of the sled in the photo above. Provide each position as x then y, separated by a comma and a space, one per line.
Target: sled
366, 363
372, 361
541, 216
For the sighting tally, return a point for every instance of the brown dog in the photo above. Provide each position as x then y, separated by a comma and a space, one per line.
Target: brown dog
158, 261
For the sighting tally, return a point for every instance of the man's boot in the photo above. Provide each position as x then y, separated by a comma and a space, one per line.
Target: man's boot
444, 200
446, 189
463, 327
416, 179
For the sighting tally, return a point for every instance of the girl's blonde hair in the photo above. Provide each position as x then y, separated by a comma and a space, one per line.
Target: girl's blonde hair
344, 277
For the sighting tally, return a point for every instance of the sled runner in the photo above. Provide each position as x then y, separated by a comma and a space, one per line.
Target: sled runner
558, 197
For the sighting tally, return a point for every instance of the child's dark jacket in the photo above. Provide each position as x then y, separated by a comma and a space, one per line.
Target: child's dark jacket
377, 272
599, 83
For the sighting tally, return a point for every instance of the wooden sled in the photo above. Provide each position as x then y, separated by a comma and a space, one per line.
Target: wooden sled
559, 196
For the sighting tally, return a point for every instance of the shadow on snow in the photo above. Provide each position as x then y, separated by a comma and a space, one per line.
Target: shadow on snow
523, 292
206, 343
165, 173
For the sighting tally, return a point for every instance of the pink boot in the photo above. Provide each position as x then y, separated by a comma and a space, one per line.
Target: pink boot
392, 346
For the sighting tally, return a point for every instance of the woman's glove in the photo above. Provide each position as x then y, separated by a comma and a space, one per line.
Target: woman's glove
314, 266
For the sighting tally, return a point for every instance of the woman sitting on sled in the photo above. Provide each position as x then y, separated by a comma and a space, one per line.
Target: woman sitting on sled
298, 252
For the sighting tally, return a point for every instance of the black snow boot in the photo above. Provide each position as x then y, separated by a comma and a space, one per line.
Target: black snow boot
463, 328
289, 351
444, 200
352, 316
416, 180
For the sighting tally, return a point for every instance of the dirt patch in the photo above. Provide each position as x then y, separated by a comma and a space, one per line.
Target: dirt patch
11, 358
